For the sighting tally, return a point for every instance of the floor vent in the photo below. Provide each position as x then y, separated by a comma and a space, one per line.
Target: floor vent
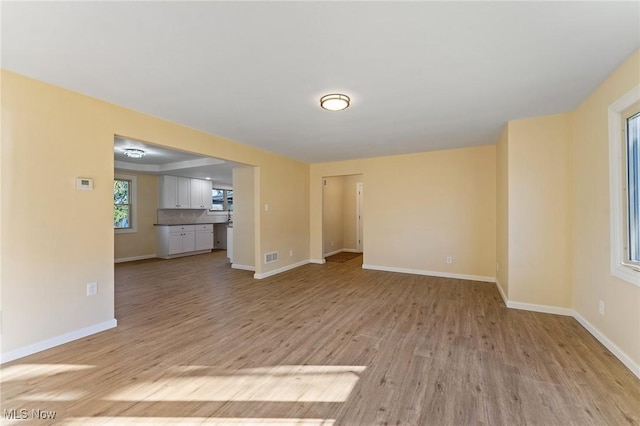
271, 257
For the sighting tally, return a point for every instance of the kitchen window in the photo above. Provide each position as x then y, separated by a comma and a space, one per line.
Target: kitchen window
124, 212
222, 199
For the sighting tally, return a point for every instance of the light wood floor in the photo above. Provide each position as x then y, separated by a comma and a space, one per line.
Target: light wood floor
200, 343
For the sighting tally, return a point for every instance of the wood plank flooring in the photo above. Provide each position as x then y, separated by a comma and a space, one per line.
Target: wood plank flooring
200, 343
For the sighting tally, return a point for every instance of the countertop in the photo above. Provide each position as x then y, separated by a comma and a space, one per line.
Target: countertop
183, 224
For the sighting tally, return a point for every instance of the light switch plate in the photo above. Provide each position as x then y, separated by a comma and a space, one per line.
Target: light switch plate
84, 184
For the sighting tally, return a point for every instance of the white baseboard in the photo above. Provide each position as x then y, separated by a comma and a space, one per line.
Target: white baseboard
623, 357
243, 267
504, 297
430, 273
318, 261
131, 259
280, 270
57, 341
616, 351
343, 250
545, 309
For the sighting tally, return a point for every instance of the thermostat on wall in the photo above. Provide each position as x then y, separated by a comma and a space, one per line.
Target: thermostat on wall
85, 184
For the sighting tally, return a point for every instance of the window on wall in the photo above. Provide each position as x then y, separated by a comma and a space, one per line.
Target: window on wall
632, 160
121, 204
624, 186
222, 199
124, 199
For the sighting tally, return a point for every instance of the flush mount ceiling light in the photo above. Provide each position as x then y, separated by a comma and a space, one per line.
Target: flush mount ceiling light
133, 153
335, 102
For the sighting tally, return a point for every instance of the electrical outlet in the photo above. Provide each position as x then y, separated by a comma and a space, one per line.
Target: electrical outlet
290, 253
497, 267
266, 207
601, 307
331, 243
92, 289
449, 259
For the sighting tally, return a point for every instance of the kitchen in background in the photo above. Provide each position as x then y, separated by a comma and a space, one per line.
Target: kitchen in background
192, 198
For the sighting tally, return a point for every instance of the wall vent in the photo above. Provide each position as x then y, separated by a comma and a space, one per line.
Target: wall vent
271, 257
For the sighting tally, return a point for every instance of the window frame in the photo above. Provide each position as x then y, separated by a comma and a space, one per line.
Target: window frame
133, 221
633, 112
621, 267
225, 197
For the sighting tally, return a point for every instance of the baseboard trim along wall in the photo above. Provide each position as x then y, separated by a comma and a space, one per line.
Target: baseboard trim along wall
318, 261
623, 357
57, 341
131, 259
616, 351
504, 297
243, 267
545, 309
430, 273
280, 270
344, 250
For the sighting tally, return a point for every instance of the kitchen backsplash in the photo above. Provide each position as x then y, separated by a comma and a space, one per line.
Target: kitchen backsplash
174, 217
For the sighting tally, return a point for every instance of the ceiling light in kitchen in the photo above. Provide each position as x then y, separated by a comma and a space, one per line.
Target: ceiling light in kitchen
133, 153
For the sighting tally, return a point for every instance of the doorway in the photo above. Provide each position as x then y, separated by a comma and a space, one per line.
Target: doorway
342, 214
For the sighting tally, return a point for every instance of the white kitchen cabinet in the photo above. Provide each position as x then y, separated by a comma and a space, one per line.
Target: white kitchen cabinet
200, 194
183, 240
175, 192
204, 236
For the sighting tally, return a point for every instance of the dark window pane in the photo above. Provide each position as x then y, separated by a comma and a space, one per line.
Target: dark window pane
633, 193
217, 198
230, 199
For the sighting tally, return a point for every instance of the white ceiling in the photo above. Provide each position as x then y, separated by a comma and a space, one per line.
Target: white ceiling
421, 75
163, 161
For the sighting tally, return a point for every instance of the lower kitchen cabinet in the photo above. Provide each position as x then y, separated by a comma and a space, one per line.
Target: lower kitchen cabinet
183, 240
204, 236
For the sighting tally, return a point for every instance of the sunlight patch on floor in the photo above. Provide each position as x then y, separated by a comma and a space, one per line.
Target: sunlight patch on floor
183, 421
54, 396
285, 383
33, 371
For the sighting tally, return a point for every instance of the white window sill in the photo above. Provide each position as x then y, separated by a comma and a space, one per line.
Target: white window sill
125, 231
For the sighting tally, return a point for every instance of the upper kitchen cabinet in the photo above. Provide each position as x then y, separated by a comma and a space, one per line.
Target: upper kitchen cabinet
200, 194
175, 192
184, 193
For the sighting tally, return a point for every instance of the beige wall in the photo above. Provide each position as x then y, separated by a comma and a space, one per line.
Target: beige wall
142, 242
591, 239
502, 211
47, 261
284, 186
349, 231
540, 210
332, 211
47, 143
421, 208
243, 216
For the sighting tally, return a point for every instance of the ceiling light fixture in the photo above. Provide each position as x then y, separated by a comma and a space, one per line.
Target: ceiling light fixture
133, 153
335, 102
